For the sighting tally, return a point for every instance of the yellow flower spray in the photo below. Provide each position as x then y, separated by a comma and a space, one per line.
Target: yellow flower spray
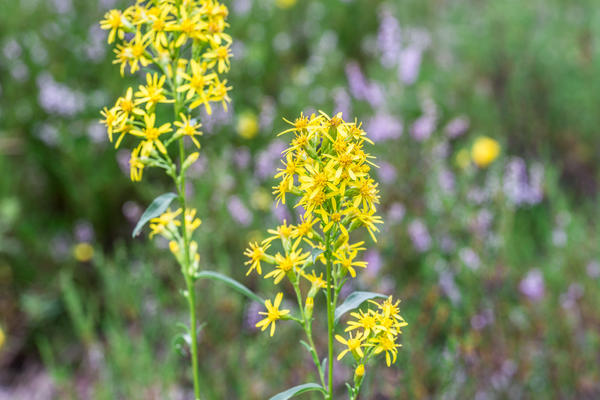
327, 169
183, 46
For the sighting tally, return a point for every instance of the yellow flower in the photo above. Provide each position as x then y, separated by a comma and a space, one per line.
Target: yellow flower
188, 128
115, 21
151, 134
360, 370
346, 260
196, 84
387, 345
83, 252
353, 345
247, 125
273, 314
2, 338
153, 92
191, 222
256, 254
285, 264
136, 165
165, 223
133, 53
112, 119
484, 151
219, 56
364, 320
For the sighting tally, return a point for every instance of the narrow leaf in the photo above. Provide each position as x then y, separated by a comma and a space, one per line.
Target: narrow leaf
296, 390
354, 300
158, 206
315, 253
231, 283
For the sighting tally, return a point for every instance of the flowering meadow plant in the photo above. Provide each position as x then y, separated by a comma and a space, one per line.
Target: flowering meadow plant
327, 170
184, 49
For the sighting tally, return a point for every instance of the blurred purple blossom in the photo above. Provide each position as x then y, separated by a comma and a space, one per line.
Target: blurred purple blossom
522, 186
268, 159
342, 102
241, 157
198, 168
469, 258
396, 212
62, 6
280, 212
241, 7
97, 132
389, 39
387, 172
267, 114
374, 262
424, 126
12, 49
410, 63
448, 286
252, 316
593, 269
48, 134
361, 88
568, 300
123, 156
457, 127
240, 214
56, 98
419, 235
532, 285
132, 211
219, 117
384, 127
559, 237
482, 222
95, 48
446, 181
482, 319
83, 231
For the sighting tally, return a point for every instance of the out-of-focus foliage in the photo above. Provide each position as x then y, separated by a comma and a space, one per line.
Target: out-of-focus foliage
498, 267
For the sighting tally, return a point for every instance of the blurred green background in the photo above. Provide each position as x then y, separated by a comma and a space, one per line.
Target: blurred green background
498, 267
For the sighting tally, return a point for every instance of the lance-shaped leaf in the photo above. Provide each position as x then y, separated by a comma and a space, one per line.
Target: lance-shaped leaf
354, 300
296, 390
158, 206
231, 283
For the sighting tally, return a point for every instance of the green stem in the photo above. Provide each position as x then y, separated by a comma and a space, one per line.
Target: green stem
189, 279
306, 324
330, 326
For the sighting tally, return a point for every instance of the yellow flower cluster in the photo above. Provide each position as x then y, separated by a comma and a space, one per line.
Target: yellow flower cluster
186, 47
327, 169
168, 226
375, 331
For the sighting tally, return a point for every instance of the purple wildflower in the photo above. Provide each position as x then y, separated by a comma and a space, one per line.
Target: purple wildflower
532, 285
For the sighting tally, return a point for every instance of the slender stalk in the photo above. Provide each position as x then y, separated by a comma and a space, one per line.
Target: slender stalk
330, 327
189, 281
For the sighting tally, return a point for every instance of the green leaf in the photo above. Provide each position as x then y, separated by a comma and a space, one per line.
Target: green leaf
354, 300
230, 282
158, 206
315, 253
307, 387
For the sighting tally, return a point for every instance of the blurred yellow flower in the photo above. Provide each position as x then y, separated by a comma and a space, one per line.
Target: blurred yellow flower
360, 370
247, 125
285, 3
2, 338
261, 199
83, 252
484, 151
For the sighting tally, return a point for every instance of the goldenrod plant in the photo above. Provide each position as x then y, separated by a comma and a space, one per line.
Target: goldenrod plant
184, 50
327, 171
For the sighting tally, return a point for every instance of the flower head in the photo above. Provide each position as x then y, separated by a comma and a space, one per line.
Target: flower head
273, 314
